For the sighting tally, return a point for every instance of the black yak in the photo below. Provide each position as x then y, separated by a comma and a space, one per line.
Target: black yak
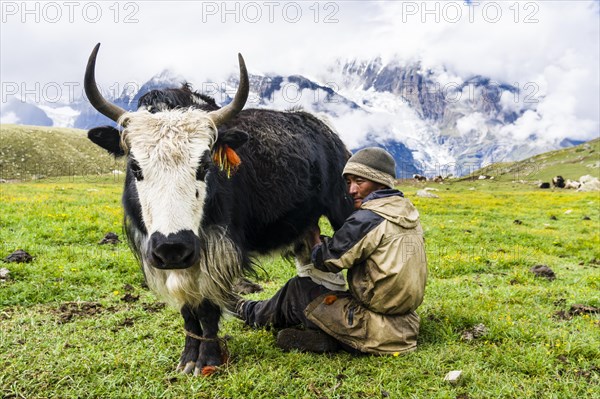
206, 187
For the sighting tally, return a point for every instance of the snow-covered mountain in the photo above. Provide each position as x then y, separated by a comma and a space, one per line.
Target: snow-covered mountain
128, 99
433, 123
452, 125
15, 111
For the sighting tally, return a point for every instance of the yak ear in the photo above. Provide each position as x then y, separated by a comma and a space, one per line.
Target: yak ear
108, 138
233, 138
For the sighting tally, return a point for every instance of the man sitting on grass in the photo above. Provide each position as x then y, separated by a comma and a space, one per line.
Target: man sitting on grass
381, 245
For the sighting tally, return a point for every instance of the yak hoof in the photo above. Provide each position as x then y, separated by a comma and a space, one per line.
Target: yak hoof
205, 362
206, 371
187, 368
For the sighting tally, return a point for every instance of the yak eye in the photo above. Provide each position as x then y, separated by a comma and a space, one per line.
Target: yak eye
201, 171
203, 166
135, 169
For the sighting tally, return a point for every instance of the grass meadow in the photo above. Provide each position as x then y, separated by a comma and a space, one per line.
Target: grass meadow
76, 322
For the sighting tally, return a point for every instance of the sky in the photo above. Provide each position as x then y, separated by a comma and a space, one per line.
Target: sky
549, 49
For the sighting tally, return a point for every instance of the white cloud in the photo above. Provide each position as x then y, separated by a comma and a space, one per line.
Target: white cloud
550, 50
471, 122
9, 117
556, 55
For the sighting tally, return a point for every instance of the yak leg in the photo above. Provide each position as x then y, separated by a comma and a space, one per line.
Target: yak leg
187, 362
201, 321
209, 354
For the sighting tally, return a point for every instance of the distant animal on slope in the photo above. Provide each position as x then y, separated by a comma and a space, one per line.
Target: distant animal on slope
419, 177
206, 187
558, 181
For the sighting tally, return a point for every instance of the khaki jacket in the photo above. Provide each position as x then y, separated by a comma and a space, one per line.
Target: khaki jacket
382, 246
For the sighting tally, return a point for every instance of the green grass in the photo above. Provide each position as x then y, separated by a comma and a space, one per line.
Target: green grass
479, 262
33, 152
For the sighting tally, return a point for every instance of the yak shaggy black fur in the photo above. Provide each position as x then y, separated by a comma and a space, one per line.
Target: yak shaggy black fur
290, 174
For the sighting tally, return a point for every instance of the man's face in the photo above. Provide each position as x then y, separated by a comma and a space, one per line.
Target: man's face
359, 188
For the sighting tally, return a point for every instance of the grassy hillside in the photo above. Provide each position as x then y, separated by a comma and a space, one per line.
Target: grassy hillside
570, 163
76, 322
33, 152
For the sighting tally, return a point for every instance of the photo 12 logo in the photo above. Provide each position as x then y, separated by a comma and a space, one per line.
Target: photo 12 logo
57, 92
68, 11
473, 11
270, 11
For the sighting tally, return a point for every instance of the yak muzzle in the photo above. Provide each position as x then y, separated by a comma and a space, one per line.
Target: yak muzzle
175, 251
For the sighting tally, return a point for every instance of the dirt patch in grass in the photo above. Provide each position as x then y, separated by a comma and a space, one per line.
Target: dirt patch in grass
67, 311
130, 298
473, 333
578, 309
594, 262
587, 374
6, 314
127, 322
154, 307
575, 310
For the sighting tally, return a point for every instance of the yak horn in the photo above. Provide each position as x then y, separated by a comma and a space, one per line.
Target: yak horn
93, 94
229, 111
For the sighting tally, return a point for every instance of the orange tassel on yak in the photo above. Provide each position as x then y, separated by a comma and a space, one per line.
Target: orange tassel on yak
227, 159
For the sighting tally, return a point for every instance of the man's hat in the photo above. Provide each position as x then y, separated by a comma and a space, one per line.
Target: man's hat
372, 163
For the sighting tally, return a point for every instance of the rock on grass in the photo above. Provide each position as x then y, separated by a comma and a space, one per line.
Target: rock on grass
19, 256
426, 194
543, 271
110, 238
4, 274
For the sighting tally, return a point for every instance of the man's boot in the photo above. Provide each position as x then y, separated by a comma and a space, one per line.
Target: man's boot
306, 341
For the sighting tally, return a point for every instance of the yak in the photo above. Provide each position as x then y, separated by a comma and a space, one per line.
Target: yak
208, 188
